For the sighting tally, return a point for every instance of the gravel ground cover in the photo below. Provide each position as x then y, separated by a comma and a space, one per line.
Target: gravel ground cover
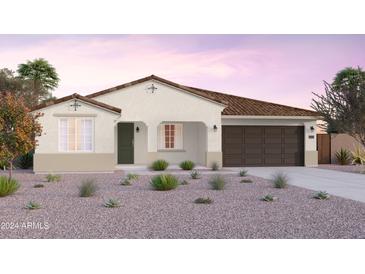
346, 168
236, 212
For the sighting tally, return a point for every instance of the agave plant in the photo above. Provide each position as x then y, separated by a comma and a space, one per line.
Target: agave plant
358, 156
195, 174
203, 201
268, 198
321, 195
111, 203
32, 205
343, 156
243, 173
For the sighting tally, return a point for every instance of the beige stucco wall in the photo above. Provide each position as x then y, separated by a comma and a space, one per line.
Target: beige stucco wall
339, 141
165, 104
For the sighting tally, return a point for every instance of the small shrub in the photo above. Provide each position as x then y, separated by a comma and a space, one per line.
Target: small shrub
321, 195
358, 156
217, 182
38, 185
32, 205
4, 164
268, 198
280, 180
53, 178
132, 176
203, 201
160, 165
184, 182
243, 173
343, 156
195, 174
88, 188
26, 161
187, 165
8, 186
164, 182
215, 166
126, 182
111, 203
246, 181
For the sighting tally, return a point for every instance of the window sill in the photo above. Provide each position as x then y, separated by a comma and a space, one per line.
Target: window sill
171, 150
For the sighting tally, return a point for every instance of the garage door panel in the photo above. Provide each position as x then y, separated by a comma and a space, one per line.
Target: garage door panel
263, 145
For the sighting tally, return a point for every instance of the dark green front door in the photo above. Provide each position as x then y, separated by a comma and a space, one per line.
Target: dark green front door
125, 143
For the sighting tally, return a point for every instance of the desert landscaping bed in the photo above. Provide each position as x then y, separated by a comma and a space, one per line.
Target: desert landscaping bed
236, 211
345, 168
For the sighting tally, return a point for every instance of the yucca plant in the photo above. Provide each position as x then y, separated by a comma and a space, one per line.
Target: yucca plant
195, 174
243, 173
164, 182
268, 198
32, 205
343, 156
53, 178
159, 165
187, 165
321, 195
111, 203
280, 180
8, 186
87, 188
203, 201
217, 183
358, 156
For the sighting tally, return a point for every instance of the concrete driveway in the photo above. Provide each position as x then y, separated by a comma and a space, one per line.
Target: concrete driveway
343, 184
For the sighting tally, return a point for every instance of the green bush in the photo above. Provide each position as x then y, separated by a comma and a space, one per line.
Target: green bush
8, 186
38, 185
159, 165
243, 173
268, 198
53, 178
195, 174
321, 195
217, 182
246, 181
280, 180
26, 161
111, 203
87, 188
203, 201
164, 182
187, 165
215, 166
343, 156
32, 205
358, 156
4, 164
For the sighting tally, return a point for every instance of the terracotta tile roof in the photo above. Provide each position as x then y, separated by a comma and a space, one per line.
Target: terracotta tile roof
245, 106
79, 97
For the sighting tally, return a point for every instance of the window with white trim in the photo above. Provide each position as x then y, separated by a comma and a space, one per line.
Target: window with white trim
76, 134
171, 136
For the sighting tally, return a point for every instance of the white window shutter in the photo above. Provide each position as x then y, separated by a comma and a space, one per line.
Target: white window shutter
63, 134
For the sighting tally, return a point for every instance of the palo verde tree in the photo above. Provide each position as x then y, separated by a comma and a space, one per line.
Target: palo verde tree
343, 104
42, 76
18, 128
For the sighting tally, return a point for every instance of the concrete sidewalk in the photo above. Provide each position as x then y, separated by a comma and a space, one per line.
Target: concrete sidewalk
342, 184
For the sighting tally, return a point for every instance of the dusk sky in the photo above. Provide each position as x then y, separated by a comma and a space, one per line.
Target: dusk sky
279, 68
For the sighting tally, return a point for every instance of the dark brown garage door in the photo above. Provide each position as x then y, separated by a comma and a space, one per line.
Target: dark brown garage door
263, 146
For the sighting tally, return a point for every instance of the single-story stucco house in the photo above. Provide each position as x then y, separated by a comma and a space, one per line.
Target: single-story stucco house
153, 118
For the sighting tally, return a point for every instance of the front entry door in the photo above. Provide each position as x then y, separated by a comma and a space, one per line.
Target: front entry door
125, 143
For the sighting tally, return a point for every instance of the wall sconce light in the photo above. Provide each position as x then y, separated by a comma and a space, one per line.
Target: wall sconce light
215, 128
312, 128
137, 129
